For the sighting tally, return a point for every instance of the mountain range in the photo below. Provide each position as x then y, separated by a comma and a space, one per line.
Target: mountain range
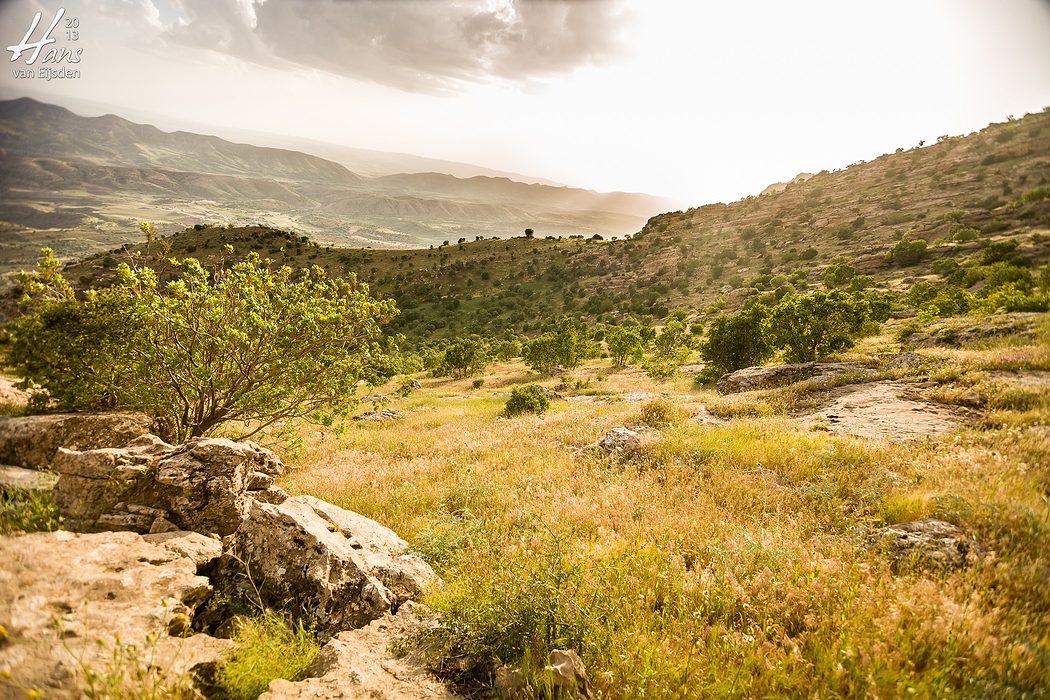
81, 184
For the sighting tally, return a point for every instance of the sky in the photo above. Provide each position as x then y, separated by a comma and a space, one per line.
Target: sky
696, 101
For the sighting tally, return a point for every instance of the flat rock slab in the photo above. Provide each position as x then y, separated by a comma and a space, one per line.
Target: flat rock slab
360, 665
25, 479
65, 598
883, 411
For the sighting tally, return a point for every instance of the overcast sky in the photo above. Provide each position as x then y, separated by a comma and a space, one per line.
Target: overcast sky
698, 101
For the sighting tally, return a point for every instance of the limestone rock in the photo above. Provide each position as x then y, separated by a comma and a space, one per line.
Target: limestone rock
380, 415
928, 541
60, 593
200, 549
620, 439
205, 485
566, 672
25, 479
359, 665
340, 568
32, 441
752, 378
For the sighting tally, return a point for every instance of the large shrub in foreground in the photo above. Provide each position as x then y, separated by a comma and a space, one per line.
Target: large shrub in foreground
248, 344
531, 398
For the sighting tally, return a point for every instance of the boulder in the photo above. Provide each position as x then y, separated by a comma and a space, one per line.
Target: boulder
337, 567
929, 541
103, 601
32, 441
359, 664
564, 675
380, 415
205, 485
200, 549
19, 479
619, 439
752, 378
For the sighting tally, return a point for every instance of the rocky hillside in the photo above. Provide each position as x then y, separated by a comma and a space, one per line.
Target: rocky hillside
710, 257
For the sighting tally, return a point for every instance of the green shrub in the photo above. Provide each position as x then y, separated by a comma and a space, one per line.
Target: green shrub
1035, 194
839, 273
269, 645
531, 398
567, 346
812, 326
949, 301
23, 510
907, 251
477, 383
736, 341
960, 233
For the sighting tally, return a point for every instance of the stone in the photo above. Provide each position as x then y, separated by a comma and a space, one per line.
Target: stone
19, 479
339, 568
752, 378
32, 441
205, 485
66, 598
380, 415
200, 549
415, 384
931, 541
567, 673
619, 439
360, 665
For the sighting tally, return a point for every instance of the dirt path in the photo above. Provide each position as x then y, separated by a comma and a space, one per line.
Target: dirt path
884, 410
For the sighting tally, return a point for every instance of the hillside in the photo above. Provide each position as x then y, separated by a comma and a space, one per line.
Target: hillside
81, 184
709, 257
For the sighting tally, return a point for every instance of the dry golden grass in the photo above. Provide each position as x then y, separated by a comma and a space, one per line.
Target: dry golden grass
716, 560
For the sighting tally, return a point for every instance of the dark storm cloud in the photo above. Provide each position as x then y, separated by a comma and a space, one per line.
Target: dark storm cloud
418, 45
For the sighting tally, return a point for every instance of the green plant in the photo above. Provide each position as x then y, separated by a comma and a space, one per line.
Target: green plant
736, 341
26, 510
477, 383
625, 344
531, 398
907, 251
269, 645
566, 346
960, 233
662, 413
466, 357
811, 326
246, 344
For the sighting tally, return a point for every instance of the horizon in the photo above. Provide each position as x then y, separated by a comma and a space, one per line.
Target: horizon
540, 92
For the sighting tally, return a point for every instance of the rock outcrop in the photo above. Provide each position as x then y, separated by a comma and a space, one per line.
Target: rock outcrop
32, 441
72, 600
17, 478
340, 568
619, 439
930, 541
752, 378
206, 485
359, 665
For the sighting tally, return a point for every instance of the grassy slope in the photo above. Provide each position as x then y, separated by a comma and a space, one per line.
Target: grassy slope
721, 561
713, 254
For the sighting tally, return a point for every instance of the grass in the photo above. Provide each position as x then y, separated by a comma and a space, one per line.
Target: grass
23, 510
716, 561
269, 645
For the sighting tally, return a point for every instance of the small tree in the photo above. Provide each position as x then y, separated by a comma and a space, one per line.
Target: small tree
625, 345
529, 233
839, 273
527, 399
247, 344
811, 326
736, 341
466, 357
567, 346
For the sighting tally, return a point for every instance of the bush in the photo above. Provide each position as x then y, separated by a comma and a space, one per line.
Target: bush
961, 233
1035, 194
907, 251
661, 413
244, 344
1001, 273
531, 398
812, 326
949, 301
1010, 297
839, 273
736, 341
477, 383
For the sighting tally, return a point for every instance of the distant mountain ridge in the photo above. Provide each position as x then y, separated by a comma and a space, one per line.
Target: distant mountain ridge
87, 178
